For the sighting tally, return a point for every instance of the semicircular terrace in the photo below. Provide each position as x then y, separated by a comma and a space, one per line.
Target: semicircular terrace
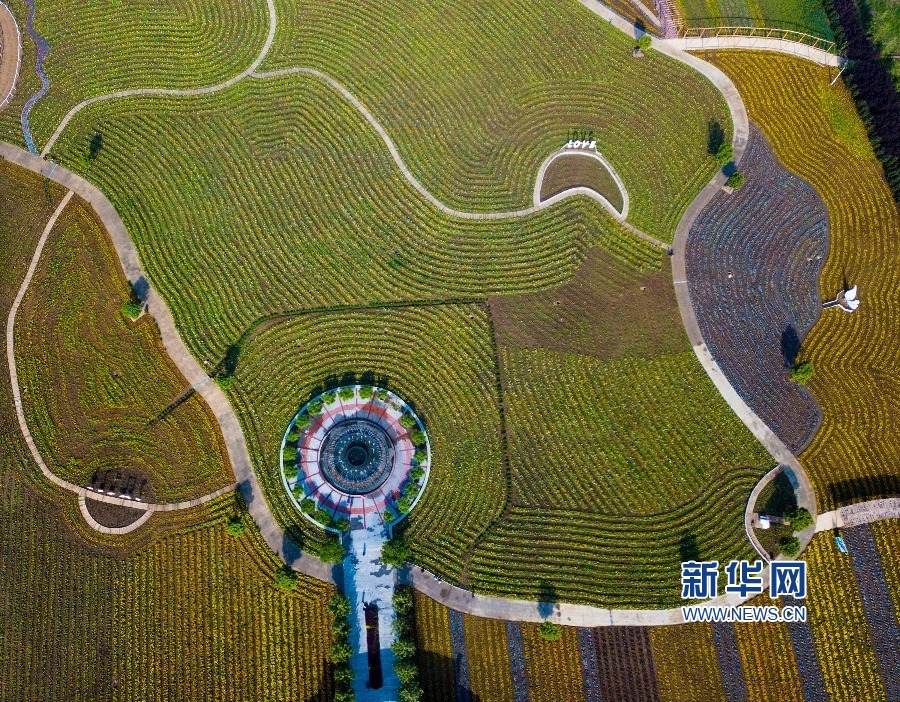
753, 259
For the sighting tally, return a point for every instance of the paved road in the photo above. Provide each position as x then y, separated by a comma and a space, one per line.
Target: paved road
10, 54
862, 513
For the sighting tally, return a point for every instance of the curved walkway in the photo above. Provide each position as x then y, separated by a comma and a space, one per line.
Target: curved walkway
81, 491
757, 43
238, 454
273, 20
862, 513
10, 54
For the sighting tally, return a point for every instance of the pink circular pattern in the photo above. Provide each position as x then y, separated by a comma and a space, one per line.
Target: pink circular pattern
364, 510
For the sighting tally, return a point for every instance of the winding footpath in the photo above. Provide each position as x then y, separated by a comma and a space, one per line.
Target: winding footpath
246, 481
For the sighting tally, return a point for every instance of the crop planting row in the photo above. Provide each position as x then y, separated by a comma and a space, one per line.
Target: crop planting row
438, 359
813, 683
95, 50
283, 187
729, 658
194, 616
752, 259
887, 537
687, 669
768, 660
631, 436
489, 666
879, 610
552, 668
516, 647
477, 97
434, 650
836, 617
460, 657
623, 667
100, 391
854, 453
580, 555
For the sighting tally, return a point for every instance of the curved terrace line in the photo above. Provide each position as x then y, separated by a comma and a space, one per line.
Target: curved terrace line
97, 526
9, 28
582, 190
20, 408
182, 92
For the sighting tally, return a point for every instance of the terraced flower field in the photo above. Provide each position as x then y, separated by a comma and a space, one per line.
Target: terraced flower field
753, 259
100, 48
767, 658
887, 538
815, 133
686, 666
99, 391
281, 185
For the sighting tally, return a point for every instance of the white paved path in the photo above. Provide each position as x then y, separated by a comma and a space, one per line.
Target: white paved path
368, 581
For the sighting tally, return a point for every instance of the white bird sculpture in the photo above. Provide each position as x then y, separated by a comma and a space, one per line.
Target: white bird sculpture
850, 296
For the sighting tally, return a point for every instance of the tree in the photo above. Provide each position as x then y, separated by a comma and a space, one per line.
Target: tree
347, 393
331, 551
322, 516
402, 601
406, 671
343, 675
342, 525
286, 577
291, 471
314, 407
420, 456
411, 692
289, 453
550, 631
802, 372
724, 155
645, 42
293, 435
235, 526
345, 695
417, 436
329, 397
404, 504
388, 516
132, 309
300, 424
403, 649
789, 546
417, 473
341, 652
338, 606
411, 490
735, 180
366, 392
800, 518
408, 421
308, 505
395, 551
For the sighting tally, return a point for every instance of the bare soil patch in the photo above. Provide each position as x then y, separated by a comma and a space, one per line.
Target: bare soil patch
578, 170
112, 516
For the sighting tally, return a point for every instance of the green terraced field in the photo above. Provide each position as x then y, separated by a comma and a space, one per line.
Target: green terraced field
806, 16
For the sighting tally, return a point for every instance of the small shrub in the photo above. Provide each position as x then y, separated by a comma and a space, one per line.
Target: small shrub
417, 436
789, 546
382, 395
293, 435
735, 180
342, 524
550, 631
411, 490
800, 518
404, 504
395, 551
329, 397
347, 393
340, 628
408, 421
301, 423
388, 516
322, 516
343, 675
286, 577
406, 671
802, 372
417, 473
645, 42
132, 310
314, 407
223, 381
366, 392
724, 155
403, 601
235, 526
289, 453
291, 471
297, 492
345, 695
308, 505
331, 551
420, 456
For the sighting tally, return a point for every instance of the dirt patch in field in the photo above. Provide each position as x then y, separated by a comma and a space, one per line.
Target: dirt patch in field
579, 170
112, 516
606, 311
625, 659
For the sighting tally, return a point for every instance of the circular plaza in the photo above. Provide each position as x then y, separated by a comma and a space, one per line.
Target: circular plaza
354, 457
